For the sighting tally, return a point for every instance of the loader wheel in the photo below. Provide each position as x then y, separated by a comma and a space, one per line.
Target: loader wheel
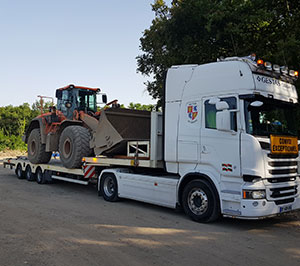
200, 202
109, 187
74, 143
36, 150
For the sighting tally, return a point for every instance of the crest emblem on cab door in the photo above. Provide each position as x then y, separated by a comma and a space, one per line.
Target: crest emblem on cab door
192, 112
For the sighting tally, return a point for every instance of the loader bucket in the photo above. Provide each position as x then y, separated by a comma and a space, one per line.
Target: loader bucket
116, 127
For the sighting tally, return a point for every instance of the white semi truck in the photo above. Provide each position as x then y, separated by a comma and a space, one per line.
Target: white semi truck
225, 144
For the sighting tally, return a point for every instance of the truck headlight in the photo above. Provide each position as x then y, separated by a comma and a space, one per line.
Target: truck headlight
254, 194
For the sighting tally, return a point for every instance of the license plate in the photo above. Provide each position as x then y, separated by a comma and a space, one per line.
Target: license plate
285, 208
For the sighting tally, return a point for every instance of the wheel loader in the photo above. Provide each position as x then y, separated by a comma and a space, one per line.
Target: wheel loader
76, 128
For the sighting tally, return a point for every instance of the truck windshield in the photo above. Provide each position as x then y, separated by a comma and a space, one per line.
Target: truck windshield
271, 117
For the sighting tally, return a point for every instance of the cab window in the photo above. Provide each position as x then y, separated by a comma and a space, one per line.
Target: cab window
210, 113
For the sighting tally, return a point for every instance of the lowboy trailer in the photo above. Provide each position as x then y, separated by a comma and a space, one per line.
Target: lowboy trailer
225, 144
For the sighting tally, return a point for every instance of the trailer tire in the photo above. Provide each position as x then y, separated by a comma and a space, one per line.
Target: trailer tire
74, 144
28, 174
200, 201
19, 172
40, 177
109, 187
36, 150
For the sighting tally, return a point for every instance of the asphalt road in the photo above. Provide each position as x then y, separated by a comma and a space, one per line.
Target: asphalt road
67, 224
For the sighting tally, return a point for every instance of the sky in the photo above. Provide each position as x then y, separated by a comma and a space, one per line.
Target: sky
48, 44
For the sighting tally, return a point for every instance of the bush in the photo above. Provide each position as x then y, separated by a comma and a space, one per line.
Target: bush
11, 142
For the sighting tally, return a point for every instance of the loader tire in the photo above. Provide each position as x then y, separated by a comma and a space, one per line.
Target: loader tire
36, 150
74, 143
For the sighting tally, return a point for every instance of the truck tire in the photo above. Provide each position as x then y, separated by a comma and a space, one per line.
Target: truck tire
28, 174
200, 202
36, 150
109, 187
74, 143
19, 172
40, 178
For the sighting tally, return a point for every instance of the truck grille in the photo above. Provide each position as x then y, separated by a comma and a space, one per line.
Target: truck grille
284, 201
282, 195
281, 168
282, 156
283, 192
285, 163
282, 173
281, 179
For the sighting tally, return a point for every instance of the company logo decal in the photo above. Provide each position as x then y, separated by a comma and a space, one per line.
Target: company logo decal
267, 80
192, 112
227, 167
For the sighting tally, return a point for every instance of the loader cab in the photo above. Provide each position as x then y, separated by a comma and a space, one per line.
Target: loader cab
86, 101
73, 98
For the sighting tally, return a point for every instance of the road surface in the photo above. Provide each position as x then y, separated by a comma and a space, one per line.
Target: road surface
67, 224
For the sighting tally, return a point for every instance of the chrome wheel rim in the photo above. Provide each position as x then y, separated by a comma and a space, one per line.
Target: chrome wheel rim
198, 201
109, 186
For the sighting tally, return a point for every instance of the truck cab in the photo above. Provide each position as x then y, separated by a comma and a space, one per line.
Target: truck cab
232, 122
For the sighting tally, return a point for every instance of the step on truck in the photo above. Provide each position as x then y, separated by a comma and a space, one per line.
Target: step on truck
225, 144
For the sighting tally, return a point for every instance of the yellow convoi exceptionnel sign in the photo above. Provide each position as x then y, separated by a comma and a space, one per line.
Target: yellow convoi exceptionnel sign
284, 144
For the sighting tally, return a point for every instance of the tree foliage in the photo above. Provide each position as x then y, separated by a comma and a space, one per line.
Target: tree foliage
200, 31
13, 122
138, 106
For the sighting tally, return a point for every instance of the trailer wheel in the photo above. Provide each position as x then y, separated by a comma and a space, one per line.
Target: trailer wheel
109, 187
40, 178
28, 174
36, 150
74, 143
19, 172
200, 201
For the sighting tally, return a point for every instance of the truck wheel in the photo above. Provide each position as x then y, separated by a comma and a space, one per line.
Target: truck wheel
19, 172
28, 174
40, 178
74, 143
36, 150
109, 187
200, 201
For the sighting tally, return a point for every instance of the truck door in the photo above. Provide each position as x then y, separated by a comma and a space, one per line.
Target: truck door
220, 150
189, 133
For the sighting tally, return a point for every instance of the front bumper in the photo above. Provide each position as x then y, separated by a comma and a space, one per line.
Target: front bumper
259, 209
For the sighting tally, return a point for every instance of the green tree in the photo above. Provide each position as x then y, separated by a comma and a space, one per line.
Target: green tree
200, 31
13, 121
138, 106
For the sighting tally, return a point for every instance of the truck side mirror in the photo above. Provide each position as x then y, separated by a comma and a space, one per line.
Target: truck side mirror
58, 94
223, 116
221, 105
